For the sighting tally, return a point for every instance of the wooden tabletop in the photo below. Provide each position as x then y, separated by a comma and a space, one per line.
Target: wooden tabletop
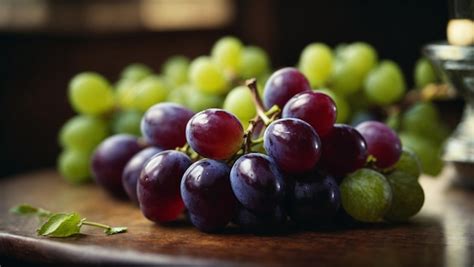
441, 235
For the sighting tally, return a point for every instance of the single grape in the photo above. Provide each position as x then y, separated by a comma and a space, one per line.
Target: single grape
227, 53
314, 199
136, 72
257, 183
423, 119
408, 196
73, 165
254, 62
131, 172
127, 121
175, 70
124, 91
164, 125
271, 221
342, 106
197, 101
345, 79
207, 76
366, 195
316, 63
317, 109
344, 150
382, 143
385, 84
424, 73
109, 160
91, 94
361, 56
83, 133
293, 144
158, 186
207, 195
148, 92
283, 85
179, 95
409, 163
214, 133
239, 102
428, 152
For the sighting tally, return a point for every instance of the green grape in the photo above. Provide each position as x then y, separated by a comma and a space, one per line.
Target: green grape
136, 72
426, 150
178, 94
198, 101
124, 90
253, 63
424, 73
175, 70
339, 51
409, 163
239, 102
423, 119
91, 94
362, 57
73, 165
393, 121
148, 92
345, 79
366, 195
127, 121
83, 133
316, 63
385, 84
343, 108
358, 102
227, 53
207, 76
407, 196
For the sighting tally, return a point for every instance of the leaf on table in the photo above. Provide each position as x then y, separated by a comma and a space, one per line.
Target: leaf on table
26, 209
61, 225
115, 230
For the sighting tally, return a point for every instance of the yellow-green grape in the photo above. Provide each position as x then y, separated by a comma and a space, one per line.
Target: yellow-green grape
316, 63
148, 92
385, 84
226, 52
128, 122
239, 102
343, 108
366, 195
407, 196
91, 94
424, 73
175, 70
345, 80
409, 163
178, 94
207, 76
73, 165
136, 72
428, 152
423, 119
124, 90
198, 101
83, 133
362, 57
254, 62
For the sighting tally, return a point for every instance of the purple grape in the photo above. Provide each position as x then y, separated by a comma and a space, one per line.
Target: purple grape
382, 143
314, 199
293, 144
317, 109
257, 183
132, 171
261, 223
158, 188
109, 160
215, 133
344, 150
164, 125
283, 85
206, 192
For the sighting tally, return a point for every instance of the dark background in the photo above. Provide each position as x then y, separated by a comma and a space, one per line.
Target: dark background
36, 65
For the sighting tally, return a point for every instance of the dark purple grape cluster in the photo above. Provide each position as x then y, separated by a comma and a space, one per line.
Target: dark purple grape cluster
287, 165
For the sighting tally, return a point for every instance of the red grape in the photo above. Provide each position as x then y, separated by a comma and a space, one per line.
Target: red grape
283, 85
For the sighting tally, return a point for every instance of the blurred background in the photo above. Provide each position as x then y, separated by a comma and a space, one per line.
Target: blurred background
43, 43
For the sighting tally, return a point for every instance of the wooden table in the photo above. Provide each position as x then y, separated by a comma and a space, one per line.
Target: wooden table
441, 235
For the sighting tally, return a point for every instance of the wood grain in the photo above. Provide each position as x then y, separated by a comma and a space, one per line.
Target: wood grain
441, 235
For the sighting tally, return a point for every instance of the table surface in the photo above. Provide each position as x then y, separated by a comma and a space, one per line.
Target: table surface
442, 234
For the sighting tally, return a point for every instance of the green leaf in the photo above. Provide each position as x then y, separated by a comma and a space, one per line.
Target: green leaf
115, 230
61, 225
26, 209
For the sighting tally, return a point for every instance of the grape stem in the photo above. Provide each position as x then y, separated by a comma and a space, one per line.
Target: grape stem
95, 224
252, 85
